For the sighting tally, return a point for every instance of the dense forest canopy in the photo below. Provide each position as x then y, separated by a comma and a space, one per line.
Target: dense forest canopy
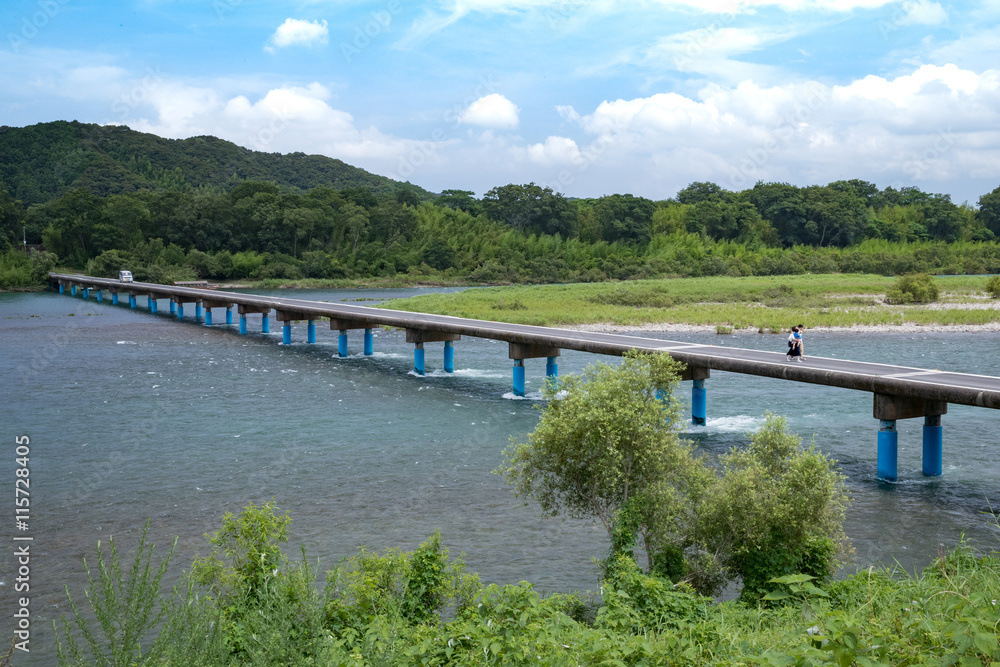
103, 198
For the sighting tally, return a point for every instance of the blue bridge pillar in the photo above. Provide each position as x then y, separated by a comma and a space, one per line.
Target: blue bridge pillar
229, 314
151, 302
418, 359
131, 301
519, 377
342, 343
552, 371
933, 442
449, 356
699, 402
310, 331
100, 296
114, 298
173, 307
699, 395
888, 449
62, 288
243, 324
887, 410
208, 317
72, 290
197, 310
286, 333
180, 311
521, 351
265, 326
86, 293
420, 336
369, 343
342, 326
265, 322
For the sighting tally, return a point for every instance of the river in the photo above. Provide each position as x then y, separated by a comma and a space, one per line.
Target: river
133, 415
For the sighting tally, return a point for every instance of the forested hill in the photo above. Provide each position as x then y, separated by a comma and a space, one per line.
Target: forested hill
44, 161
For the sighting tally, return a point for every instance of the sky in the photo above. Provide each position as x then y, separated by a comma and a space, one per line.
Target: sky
587, 97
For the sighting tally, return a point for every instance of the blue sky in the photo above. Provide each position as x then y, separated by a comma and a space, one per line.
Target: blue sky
587, 97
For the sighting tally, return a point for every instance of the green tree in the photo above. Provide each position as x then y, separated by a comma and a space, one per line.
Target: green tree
607, 447
530, 208
778, 509
625, 218
989, 211
11, 218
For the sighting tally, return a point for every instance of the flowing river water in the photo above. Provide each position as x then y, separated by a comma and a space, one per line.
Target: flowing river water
133, 415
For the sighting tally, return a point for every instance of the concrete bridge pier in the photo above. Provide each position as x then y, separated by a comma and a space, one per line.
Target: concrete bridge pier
252, 310
114, 297
100, 295
86, 293
343, 326
888, 409
209, 305
370, 343
131, 301
197, 310
173, 307
151, 302
420, 336
310, 331
521, 351
62, 289
699, 395
286, 317
180, 307
229, 314
72, 290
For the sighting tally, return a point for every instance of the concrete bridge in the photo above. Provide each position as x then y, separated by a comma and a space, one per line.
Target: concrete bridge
899, 392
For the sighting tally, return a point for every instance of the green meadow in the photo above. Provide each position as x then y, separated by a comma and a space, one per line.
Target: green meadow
771, 303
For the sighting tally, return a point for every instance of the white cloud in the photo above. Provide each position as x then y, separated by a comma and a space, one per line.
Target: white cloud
923, 12
555, 151
493, 111
296, 32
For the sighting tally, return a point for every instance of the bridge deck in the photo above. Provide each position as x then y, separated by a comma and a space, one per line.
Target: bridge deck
925, 384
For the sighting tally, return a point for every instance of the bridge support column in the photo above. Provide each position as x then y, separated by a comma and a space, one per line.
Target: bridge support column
229, 314
286, 333
343, 326
173, 307
114, 297
449, 356
699, 403
310, 331
151, 302
369, 343
197, 310
521, 351
100, 296
180, 311
62, 288
887, 409
265, 323
888, 449
243, 325
86, 293
208, 317
72, 291
249, 310
131, 301
699, 395
932, 445
519, 377
418, 359
552, 371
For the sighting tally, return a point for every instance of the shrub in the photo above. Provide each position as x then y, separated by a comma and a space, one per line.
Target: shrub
913, 288
993, 287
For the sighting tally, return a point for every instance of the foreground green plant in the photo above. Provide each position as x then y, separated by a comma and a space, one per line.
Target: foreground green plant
127, 607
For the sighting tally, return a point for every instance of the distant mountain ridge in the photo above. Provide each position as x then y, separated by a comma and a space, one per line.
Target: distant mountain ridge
44, 161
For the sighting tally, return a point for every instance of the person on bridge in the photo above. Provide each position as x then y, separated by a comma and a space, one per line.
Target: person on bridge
794, 345
802, 346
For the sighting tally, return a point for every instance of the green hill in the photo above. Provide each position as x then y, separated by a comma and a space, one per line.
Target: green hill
44, 161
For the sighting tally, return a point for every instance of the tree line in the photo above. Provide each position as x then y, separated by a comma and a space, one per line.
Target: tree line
513, 233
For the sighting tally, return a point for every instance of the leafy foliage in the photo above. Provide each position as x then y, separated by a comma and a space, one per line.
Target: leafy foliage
913, 288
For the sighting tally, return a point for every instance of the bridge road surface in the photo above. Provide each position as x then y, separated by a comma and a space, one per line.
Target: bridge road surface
934, 386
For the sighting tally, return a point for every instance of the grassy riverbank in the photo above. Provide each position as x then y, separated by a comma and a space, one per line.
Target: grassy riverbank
762, 303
